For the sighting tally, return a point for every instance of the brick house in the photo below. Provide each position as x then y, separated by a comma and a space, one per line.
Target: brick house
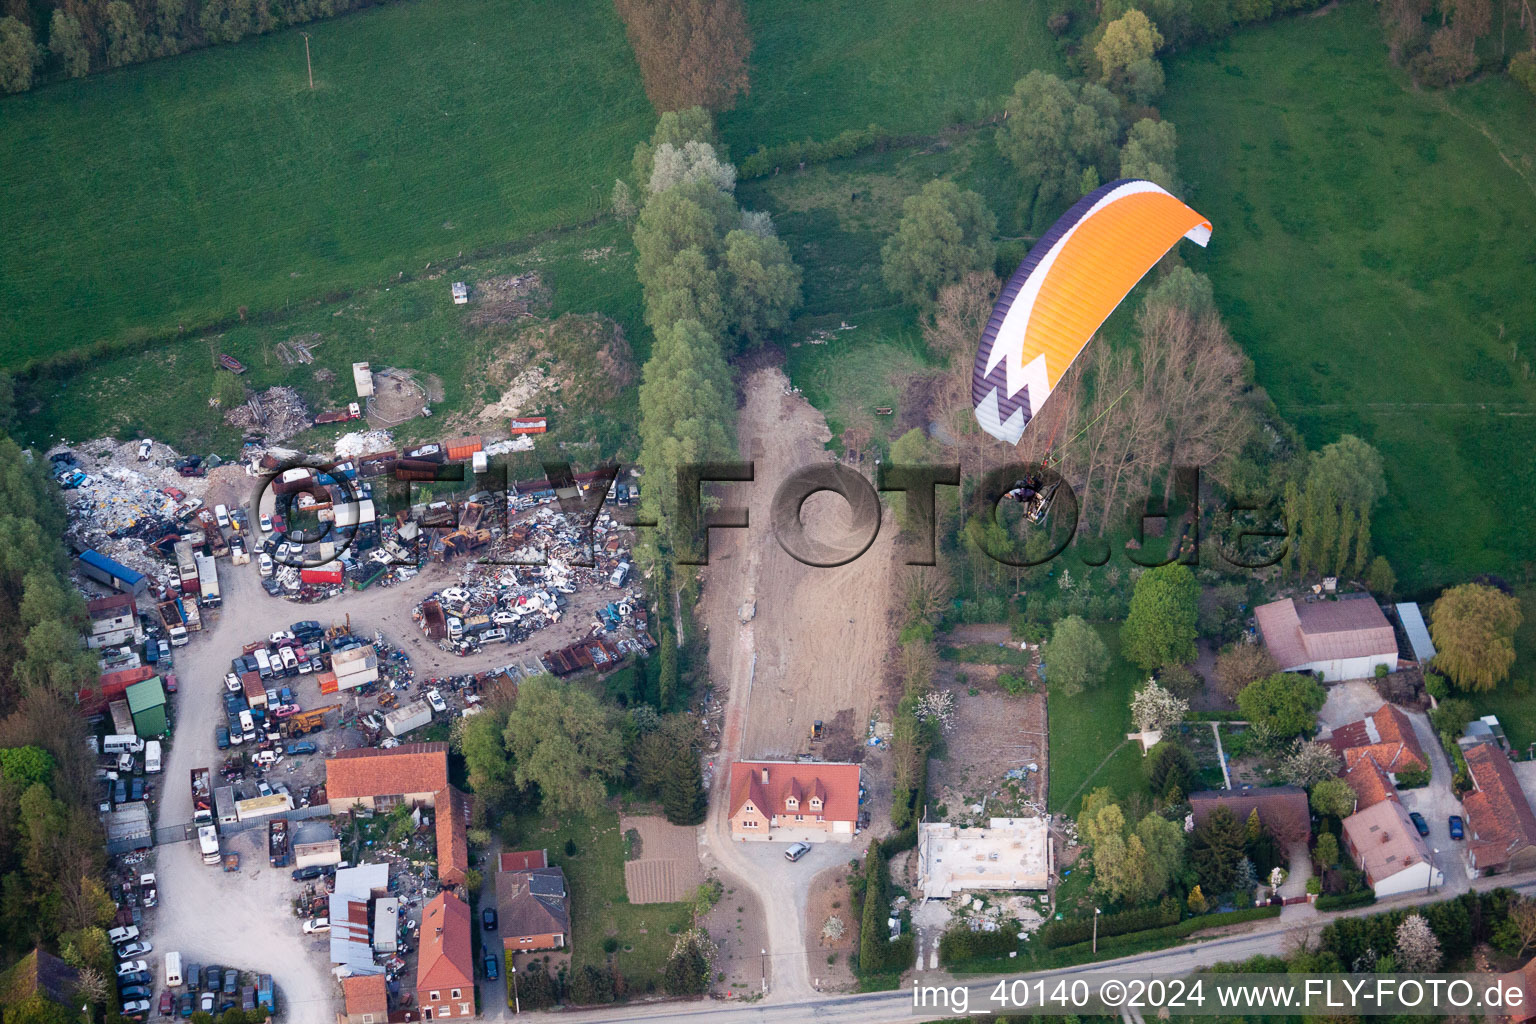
806, 801
380, 780
532, 904
445, 967
1501, 828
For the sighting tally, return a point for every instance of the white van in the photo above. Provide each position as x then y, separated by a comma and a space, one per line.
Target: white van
247, 726
172, 970
620, 574
221, 513
263, 663
290, 661
493, 634
122, 744
152, 756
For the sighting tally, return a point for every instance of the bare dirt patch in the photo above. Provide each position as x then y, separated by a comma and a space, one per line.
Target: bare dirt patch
988, 750
667, 869
397, 397
577, 361
738, 927
818, 641
827, 948
503, 300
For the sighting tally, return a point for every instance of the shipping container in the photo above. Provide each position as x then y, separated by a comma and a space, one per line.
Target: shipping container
461, 448
529, 425
411, 716
109, 573
321, 574
224, 803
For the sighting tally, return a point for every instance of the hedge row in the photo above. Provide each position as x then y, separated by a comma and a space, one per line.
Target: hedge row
1071, 931
960, 943
843, 144
1344, 901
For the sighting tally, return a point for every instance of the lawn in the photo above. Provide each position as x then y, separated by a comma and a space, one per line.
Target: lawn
176, 192
820, 68
1084, 729
1372, 254
600, 907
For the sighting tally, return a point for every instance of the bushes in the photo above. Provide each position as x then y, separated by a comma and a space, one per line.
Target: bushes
844, 144
1071, 931
960, 944
1345, 901
1413, 778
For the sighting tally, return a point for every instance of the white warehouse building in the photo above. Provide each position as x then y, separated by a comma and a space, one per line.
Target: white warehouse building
1338, 639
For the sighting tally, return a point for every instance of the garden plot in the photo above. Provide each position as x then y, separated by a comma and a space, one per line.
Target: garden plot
666, 867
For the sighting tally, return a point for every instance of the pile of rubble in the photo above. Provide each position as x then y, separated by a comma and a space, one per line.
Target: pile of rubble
990, 913
363, 442
275, 413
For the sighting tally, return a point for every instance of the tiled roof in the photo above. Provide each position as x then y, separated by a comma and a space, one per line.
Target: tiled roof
452, 838
1282, 809
1523, 980
1385, 840
445, 960
371, 771
525, 860
366, 993
836, 784
1393, 729
112, 607
1312, 631
1370, 783
533, 902
1499, 818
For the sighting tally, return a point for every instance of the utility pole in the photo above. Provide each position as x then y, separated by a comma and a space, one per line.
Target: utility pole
1096, 913
517, 1006
307, 63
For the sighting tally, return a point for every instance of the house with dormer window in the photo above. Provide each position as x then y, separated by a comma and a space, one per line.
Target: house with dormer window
794, 800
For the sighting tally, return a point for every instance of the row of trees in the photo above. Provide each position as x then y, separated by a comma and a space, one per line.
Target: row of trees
51, 846
72, 38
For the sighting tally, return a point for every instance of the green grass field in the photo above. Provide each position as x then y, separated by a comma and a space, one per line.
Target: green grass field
1372, 253
820, 68
1084, 730
178, 191
413, 325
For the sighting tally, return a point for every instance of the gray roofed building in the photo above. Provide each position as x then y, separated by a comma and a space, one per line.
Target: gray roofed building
1418, 634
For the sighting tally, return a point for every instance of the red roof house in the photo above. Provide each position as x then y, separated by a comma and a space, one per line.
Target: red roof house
367, 999
796, 800
1386, 736
445, 968
1501, 828
452, 836
380, 779
525, 860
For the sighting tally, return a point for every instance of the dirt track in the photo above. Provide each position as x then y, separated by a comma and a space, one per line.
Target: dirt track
820, 636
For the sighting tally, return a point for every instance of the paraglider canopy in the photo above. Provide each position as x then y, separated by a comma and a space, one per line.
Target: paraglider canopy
1065, 289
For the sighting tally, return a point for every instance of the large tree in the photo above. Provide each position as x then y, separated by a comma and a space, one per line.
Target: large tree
1075, 658
1473, 626
1216, 849
19, 55
1240, 664
1285, 703
1329, 512
563, 740
763, 282
1160, 629
1333, 797
1128, 41
1054, 132
690, 52
1151, 151
945, 233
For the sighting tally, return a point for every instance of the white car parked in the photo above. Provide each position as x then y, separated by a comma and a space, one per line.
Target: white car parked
436, 700
264, 564
232, 682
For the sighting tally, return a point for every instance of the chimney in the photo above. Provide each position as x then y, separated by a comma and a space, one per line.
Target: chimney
765, 776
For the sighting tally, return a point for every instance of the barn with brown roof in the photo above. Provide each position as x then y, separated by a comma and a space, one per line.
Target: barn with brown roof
452, 836
1343, 639
795, 800
1501, 828
379, 779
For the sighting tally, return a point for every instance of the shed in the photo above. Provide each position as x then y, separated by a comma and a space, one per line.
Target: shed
460, 293
386, 924
1418, 634
362, 379
110, 573
146, 703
